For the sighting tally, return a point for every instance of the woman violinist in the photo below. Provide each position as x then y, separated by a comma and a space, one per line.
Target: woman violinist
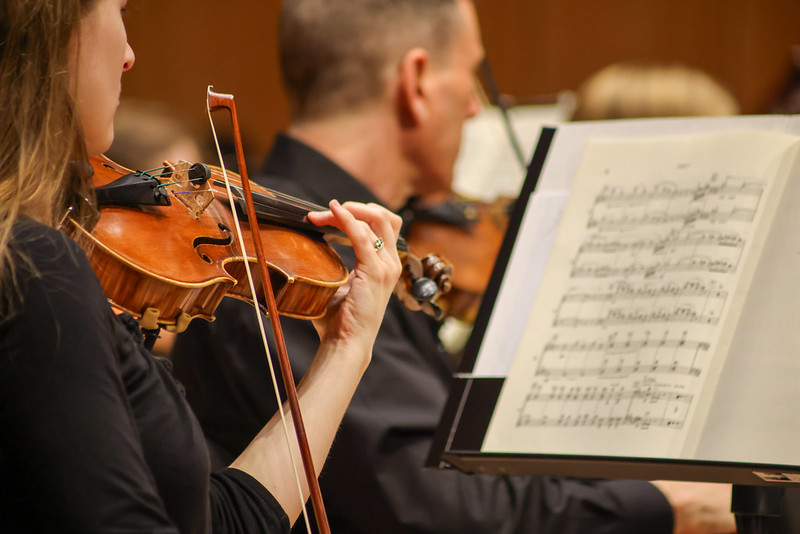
94, 433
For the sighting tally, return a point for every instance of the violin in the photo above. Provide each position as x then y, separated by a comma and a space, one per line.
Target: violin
469, 234
165, 248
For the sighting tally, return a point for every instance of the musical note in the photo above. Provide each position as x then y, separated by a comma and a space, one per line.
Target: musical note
604, 407
628, 303
612, 358
618, 209
673, 240
732, 187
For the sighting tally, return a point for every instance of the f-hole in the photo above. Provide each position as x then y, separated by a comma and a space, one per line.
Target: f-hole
221, 241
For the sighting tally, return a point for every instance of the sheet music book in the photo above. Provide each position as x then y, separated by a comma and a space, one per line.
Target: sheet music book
647, 306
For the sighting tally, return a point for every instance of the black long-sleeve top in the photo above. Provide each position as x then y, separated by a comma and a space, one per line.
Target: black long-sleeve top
95, 434
374, 479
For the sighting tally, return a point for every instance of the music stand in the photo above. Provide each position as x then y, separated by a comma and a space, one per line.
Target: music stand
476, 388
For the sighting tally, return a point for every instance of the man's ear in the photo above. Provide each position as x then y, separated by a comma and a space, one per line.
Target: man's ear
412, 87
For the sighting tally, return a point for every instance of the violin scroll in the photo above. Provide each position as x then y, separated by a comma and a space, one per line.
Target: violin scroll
423, 282
469, 233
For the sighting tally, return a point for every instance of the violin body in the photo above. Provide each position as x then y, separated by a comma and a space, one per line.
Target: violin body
181, 259
305, 271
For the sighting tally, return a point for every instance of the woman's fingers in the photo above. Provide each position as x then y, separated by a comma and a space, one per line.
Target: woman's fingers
381, 220
373, 232
370, 227
372, 214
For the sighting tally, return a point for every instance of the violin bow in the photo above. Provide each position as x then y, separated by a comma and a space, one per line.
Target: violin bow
217, 101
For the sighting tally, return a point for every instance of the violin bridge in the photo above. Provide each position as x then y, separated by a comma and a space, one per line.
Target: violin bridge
195, 196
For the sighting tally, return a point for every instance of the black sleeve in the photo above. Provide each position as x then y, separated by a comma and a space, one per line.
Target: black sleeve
71, 459
607, 506
240, 504
224, 368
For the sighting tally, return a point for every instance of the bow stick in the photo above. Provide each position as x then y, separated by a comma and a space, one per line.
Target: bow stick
219, 101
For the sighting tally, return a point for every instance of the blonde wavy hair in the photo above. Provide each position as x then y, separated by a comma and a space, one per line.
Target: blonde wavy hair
630, 90
40, 133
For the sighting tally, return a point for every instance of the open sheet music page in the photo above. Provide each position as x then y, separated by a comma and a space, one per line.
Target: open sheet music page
629, 330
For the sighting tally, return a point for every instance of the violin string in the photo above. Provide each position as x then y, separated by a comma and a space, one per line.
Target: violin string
166, 171
292, 217
154, 169
298, 202
260, 320
176, 182
289, 200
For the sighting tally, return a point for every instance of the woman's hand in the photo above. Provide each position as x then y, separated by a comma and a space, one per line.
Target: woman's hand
373, 232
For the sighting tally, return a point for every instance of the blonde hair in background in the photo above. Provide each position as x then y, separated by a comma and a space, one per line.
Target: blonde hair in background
636, 90
40, 133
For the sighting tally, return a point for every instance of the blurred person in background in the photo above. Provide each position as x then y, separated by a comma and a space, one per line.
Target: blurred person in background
630, 90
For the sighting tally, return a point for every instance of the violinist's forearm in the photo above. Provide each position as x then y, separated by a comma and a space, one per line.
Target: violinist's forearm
348, 332
324, 393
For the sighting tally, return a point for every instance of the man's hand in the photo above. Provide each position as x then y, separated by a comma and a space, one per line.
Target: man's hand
699, 507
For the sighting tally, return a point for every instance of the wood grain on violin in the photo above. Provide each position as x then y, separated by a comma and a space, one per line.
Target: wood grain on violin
184, 263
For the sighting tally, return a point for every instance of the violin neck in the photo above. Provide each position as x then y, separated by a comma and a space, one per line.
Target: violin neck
285, 210
279, 209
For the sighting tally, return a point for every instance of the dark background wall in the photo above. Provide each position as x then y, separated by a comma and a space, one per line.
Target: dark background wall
535, 47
